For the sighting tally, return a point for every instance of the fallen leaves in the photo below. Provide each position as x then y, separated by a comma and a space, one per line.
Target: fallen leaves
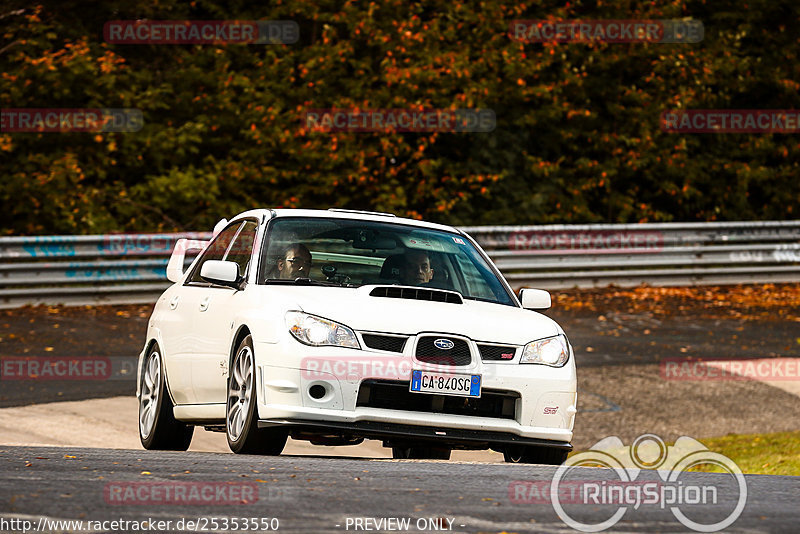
744, 302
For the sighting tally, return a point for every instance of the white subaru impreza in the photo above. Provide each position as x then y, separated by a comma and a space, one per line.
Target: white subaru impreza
338, 326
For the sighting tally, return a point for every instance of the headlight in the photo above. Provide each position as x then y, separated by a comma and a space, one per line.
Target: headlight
553, 351
316, 331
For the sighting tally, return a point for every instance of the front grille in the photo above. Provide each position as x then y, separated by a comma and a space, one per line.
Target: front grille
416, 294
385, 343
497, 352
391, 395
428, 352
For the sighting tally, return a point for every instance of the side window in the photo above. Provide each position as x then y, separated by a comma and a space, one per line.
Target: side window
242, 247
215, 251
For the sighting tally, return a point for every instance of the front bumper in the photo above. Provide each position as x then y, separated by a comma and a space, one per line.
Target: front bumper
393, 432
544, 412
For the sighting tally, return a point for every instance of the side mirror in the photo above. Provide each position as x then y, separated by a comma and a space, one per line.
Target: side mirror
224, 273
535, 299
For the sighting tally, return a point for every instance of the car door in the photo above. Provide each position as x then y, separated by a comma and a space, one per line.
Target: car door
177, 343
214, 322
185, 305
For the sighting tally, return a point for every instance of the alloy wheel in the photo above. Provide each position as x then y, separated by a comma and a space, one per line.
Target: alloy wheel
240, 391
148, 401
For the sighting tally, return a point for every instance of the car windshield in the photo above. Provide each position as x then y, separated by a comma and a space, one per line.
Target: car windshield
352, 253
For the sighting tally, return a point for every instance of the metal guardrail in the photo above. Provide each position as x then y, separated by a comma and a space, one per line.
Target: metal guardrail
95, 269
119, 269
659, 254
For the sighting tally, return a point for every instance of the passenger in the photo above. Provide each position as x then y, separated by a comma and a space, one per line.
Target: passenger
416, 268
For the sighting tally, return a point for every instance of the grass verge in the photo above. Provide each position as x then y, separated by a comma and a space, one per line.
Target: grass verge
758, 454
755, 454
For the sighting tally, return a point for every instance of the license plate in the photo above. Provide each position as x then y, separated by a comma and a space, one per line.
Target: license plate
446, 384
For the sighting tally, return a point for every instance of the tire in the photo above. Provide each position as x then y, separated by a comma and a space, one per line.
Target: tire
158, 428
530, 454
421, 453
241, 410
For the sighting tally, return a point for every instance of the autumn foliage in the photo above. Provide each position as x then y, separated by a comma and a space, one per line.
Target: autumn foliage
752, 302
577, 136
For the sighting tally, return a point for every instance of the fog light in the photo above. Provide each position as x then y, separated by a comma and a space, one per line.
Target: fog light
317, 391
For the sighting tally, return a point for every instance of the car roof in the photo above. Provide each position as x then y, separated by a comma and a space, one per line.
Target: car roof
342, 214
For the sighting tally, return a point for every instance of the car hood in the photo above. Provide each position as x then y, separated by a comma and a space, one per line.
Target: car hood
480, 321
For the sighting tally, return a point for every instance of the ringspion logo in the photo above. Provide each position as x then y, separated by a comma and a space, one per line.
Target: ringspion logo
687, 497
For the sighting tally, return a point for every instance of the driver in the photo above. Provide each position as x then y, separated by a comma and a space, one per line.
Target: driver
295, 262
416, 268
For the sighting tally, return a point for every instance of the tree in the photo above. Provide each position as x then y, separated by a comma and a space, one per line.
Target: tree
577, 136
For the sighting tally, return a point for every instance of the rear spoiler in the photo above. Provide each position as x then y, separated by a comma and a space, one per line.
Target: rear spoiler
176, 261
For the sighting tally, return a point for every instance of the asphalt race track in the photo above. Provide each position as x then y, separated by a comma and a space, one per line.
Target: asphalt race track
323, 492
315, 494
620, 339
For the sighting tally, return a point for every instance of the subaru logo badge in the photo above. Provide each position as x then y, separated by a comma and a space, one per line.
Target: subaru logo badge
443, 344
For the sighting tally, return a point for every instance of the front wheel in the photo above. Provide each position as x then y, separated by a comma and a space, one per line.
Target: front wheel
530, 454
158, 428
241, 416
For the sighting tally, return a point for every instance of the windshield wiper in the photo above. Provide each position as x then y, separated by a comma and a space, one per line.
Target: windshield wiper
481, 299
305, 282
